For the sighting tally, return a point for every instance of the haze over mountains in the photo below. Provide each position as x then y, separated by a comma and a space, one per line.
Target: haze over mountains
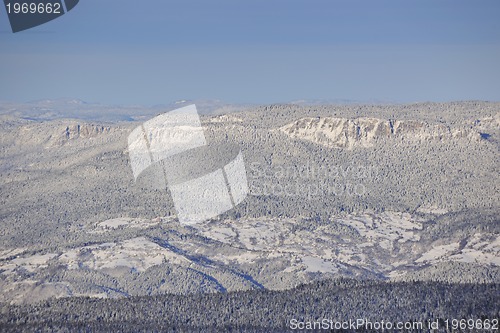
51, 109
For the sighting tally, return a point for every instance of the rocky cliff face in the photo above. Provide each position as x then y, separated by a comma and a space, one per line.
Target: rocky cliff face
75, 131
67, 133
58, 133
365, 132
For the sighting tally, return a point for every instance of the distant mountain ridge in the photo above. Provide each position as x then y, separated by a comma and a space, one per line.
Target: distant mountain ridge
43, 110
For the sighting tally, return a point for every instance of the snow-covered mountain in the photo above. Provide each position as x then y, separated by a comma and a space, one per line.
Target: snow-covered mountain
413, 197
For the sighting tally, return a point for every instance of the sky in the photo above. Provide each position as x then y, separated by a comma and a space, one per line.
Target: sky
149, 52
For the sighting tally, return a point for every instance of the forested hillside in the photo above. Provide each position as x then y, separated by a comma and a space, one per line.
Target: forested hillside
262, 311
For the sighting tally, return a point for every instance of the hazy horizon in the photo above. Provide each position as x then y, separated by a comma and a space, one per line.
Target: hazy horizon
260, 52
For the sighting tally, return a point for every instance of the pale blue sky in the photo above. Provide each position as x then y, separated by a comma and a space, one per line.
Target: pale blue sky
260, 51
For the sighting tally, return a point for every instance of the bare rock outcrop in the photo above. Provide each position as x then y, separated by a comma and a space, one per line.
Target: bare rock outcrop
365, 132
74, 131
